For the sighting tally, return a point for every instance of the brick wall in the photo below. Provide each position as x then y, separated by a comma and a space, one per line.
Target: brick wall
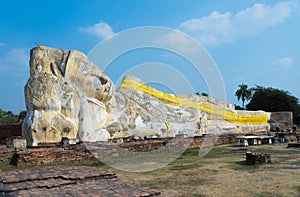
9, 131
34, 156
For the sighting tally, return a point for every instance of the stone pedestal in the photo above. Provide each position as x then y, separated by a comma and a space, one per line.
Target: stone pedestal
255, 158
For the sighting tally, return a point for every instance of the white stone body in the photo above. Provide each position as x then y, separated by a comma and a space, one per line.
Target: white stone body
66, 96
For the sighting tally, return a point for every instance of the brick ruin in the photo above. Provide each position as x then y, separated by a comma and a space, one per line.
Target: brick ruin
9, 131
256, 158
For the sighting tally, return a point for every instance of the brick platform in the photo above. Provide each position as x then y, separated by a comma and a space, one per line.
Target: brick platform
294, 144
68, 181
42, 155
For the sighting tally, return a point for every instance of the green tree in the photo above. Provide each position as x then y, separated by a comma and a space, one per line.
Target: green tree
1, 114
9, 118
272, 99
243, 93
202, 94
21, 116
237, 107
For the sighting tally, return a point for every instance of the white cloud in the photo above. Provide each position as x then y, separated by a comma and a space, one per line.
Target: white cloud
15, 61
218, 28
177, 42
283, 63
101, 30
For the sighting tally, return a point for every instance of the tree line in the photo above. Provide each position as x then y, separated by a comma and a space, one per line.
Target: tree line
267, 99
8, 117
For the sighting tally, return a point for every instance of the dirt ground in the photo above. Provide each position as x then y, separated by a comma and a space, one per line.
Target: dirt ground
222, 172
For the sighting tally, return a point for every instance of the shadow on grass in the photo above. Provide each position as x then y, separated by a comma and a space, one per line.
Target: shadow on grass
267, 194
183, 167
298, 189
242, 166
241, 163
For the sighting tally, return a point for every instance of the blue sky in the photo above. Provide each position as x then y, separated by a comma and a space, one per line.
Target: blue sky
252, 42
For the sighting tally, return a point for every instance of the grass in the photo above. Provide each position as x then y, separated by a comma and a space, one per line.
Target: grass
221, 172
266, 194
298, 189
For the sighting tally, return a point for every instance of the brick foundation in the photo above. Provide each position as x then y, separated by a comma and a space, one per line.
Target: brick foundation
56, 153
34, 156
294, 144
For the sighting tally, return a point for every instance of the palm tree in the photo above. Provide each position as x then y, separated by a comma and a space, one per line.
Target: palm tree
243, 93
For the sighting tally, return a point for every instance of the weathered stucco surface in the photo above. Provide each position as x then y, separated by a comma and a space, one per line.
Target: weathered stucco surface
145, 110
69, 96
66, 96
